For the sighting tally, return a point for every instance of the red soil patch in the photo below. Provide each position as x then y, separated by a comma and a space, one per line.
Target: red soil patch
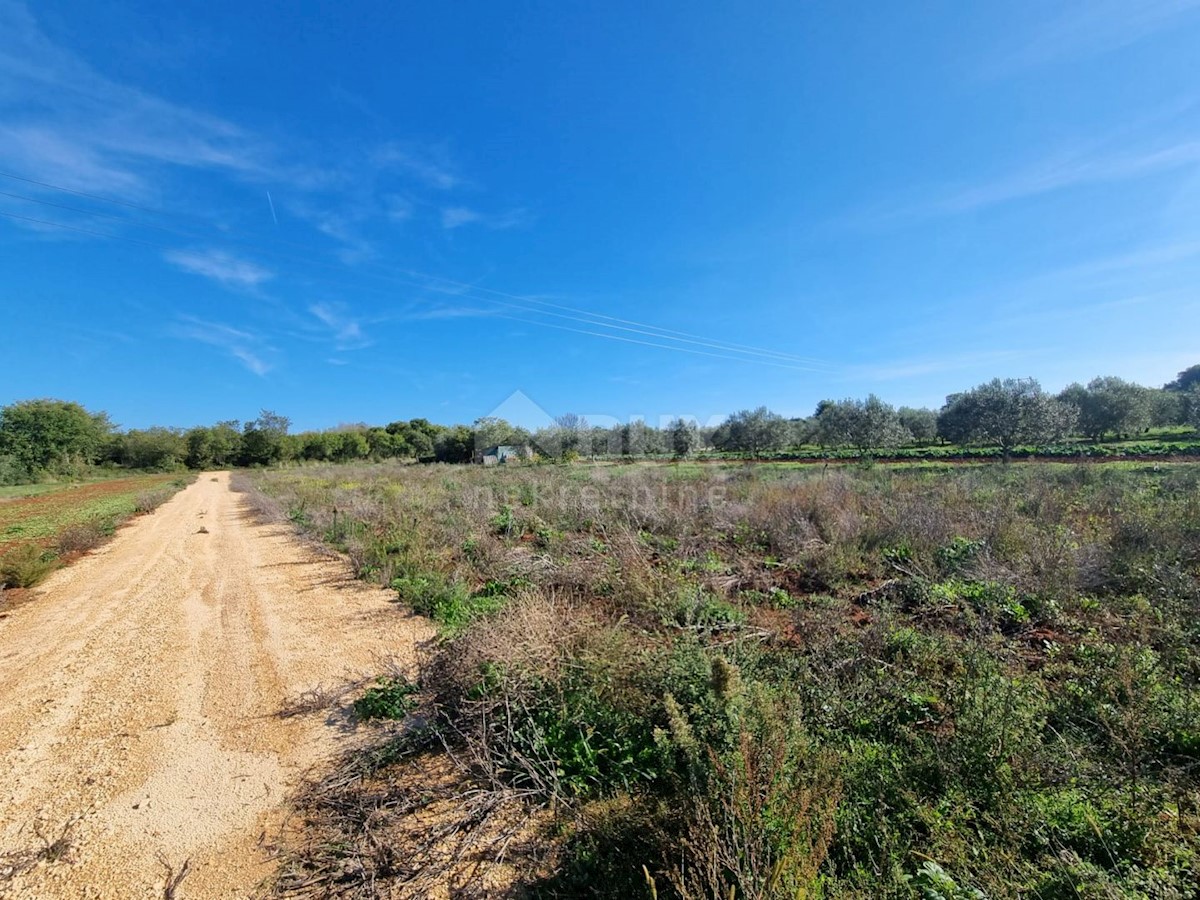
59, 504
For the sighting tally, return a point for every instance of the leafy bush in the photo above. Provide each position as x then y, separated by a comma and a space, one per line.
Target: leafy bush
25, 566
12, 471
390, 698
933, 883
446, 601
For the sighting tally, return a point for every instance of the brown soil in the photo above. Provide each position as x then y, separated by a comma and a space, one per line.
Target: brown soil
54, 504
139, 698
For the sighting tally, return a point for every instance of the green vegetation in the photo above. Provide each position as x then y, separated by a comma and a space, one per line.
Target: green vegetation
37, 530
25, 565
760, 681
44, 440
390, 698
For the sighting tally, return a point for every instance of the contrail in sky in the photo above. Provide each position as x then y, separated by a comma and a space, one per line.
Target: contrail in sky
272, 204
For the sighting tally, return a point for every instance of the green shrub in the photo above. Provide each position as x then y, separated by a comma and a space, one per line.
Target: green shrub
932, 882
703, 610
758, 819
390, 698
958, 554
25, 566
447, 601
991, 667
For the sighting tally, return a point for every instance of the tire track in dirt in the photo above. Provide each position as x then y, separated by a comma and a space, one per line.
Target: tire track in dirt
139, 692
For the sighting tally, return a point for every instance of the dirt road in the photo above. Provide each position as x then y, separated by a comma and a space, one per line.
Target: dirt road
139, 696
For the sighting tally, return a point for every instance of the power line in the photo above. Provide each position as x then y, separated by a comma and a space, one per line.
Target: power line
626, 340
643, 327
519, 302
101, 199
100, 234
664, 331
94, 212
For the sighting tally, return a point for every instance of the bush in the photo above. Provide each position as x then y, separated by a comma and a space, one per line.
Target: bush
771, 679
25, 566
12, 471
81, 537
758, 819
390, 698
148, 501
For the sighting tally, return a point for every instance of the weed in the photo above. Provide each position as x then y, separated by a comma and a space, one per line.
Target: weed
390, 698
148, 501
25, 566
773, 680
82, 537
504, 522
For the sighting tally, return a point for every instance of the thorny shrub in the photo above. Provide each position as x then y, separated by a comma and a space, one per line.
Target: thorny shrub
762, 681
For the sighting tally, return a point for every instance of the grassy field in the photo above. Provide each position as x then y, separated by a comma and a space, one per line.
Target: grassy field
780, 681
16, 491
44, 525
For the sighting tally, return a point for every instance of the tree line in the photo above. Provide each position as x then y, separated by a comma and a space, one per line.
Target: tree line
56, 438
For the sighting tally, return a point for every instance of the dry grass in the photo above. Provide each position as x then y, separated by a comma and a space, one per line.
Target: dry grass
405, 820
750, 679
52, 847
81, 538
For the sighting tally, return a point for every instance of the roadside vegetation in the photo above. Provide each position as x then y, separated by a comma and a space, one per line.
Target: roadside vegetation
763, 682
54, 440
40, 530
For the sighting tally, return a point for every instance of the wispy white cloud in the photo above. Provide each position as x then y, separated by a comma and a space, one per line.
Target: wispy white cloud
458, 216
66, 120
244, 346
1088, 27
1153, 256
220, 266
429, 165
344, 226
1082, 167
398, 208
899, 369
249, 359
1072, 171
346, 330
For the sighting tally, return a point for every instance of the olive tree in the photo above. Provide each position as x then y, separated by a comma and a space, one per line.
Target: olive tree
1193, 407
1005, 412
684, 436
565, 438
752, 431
491, 431
636, 438
1109, 405
865, 425
920, 423
1184, 382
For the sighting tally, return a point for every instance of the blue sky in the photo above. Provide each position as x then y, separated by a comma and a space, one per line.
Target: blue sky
377, 211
